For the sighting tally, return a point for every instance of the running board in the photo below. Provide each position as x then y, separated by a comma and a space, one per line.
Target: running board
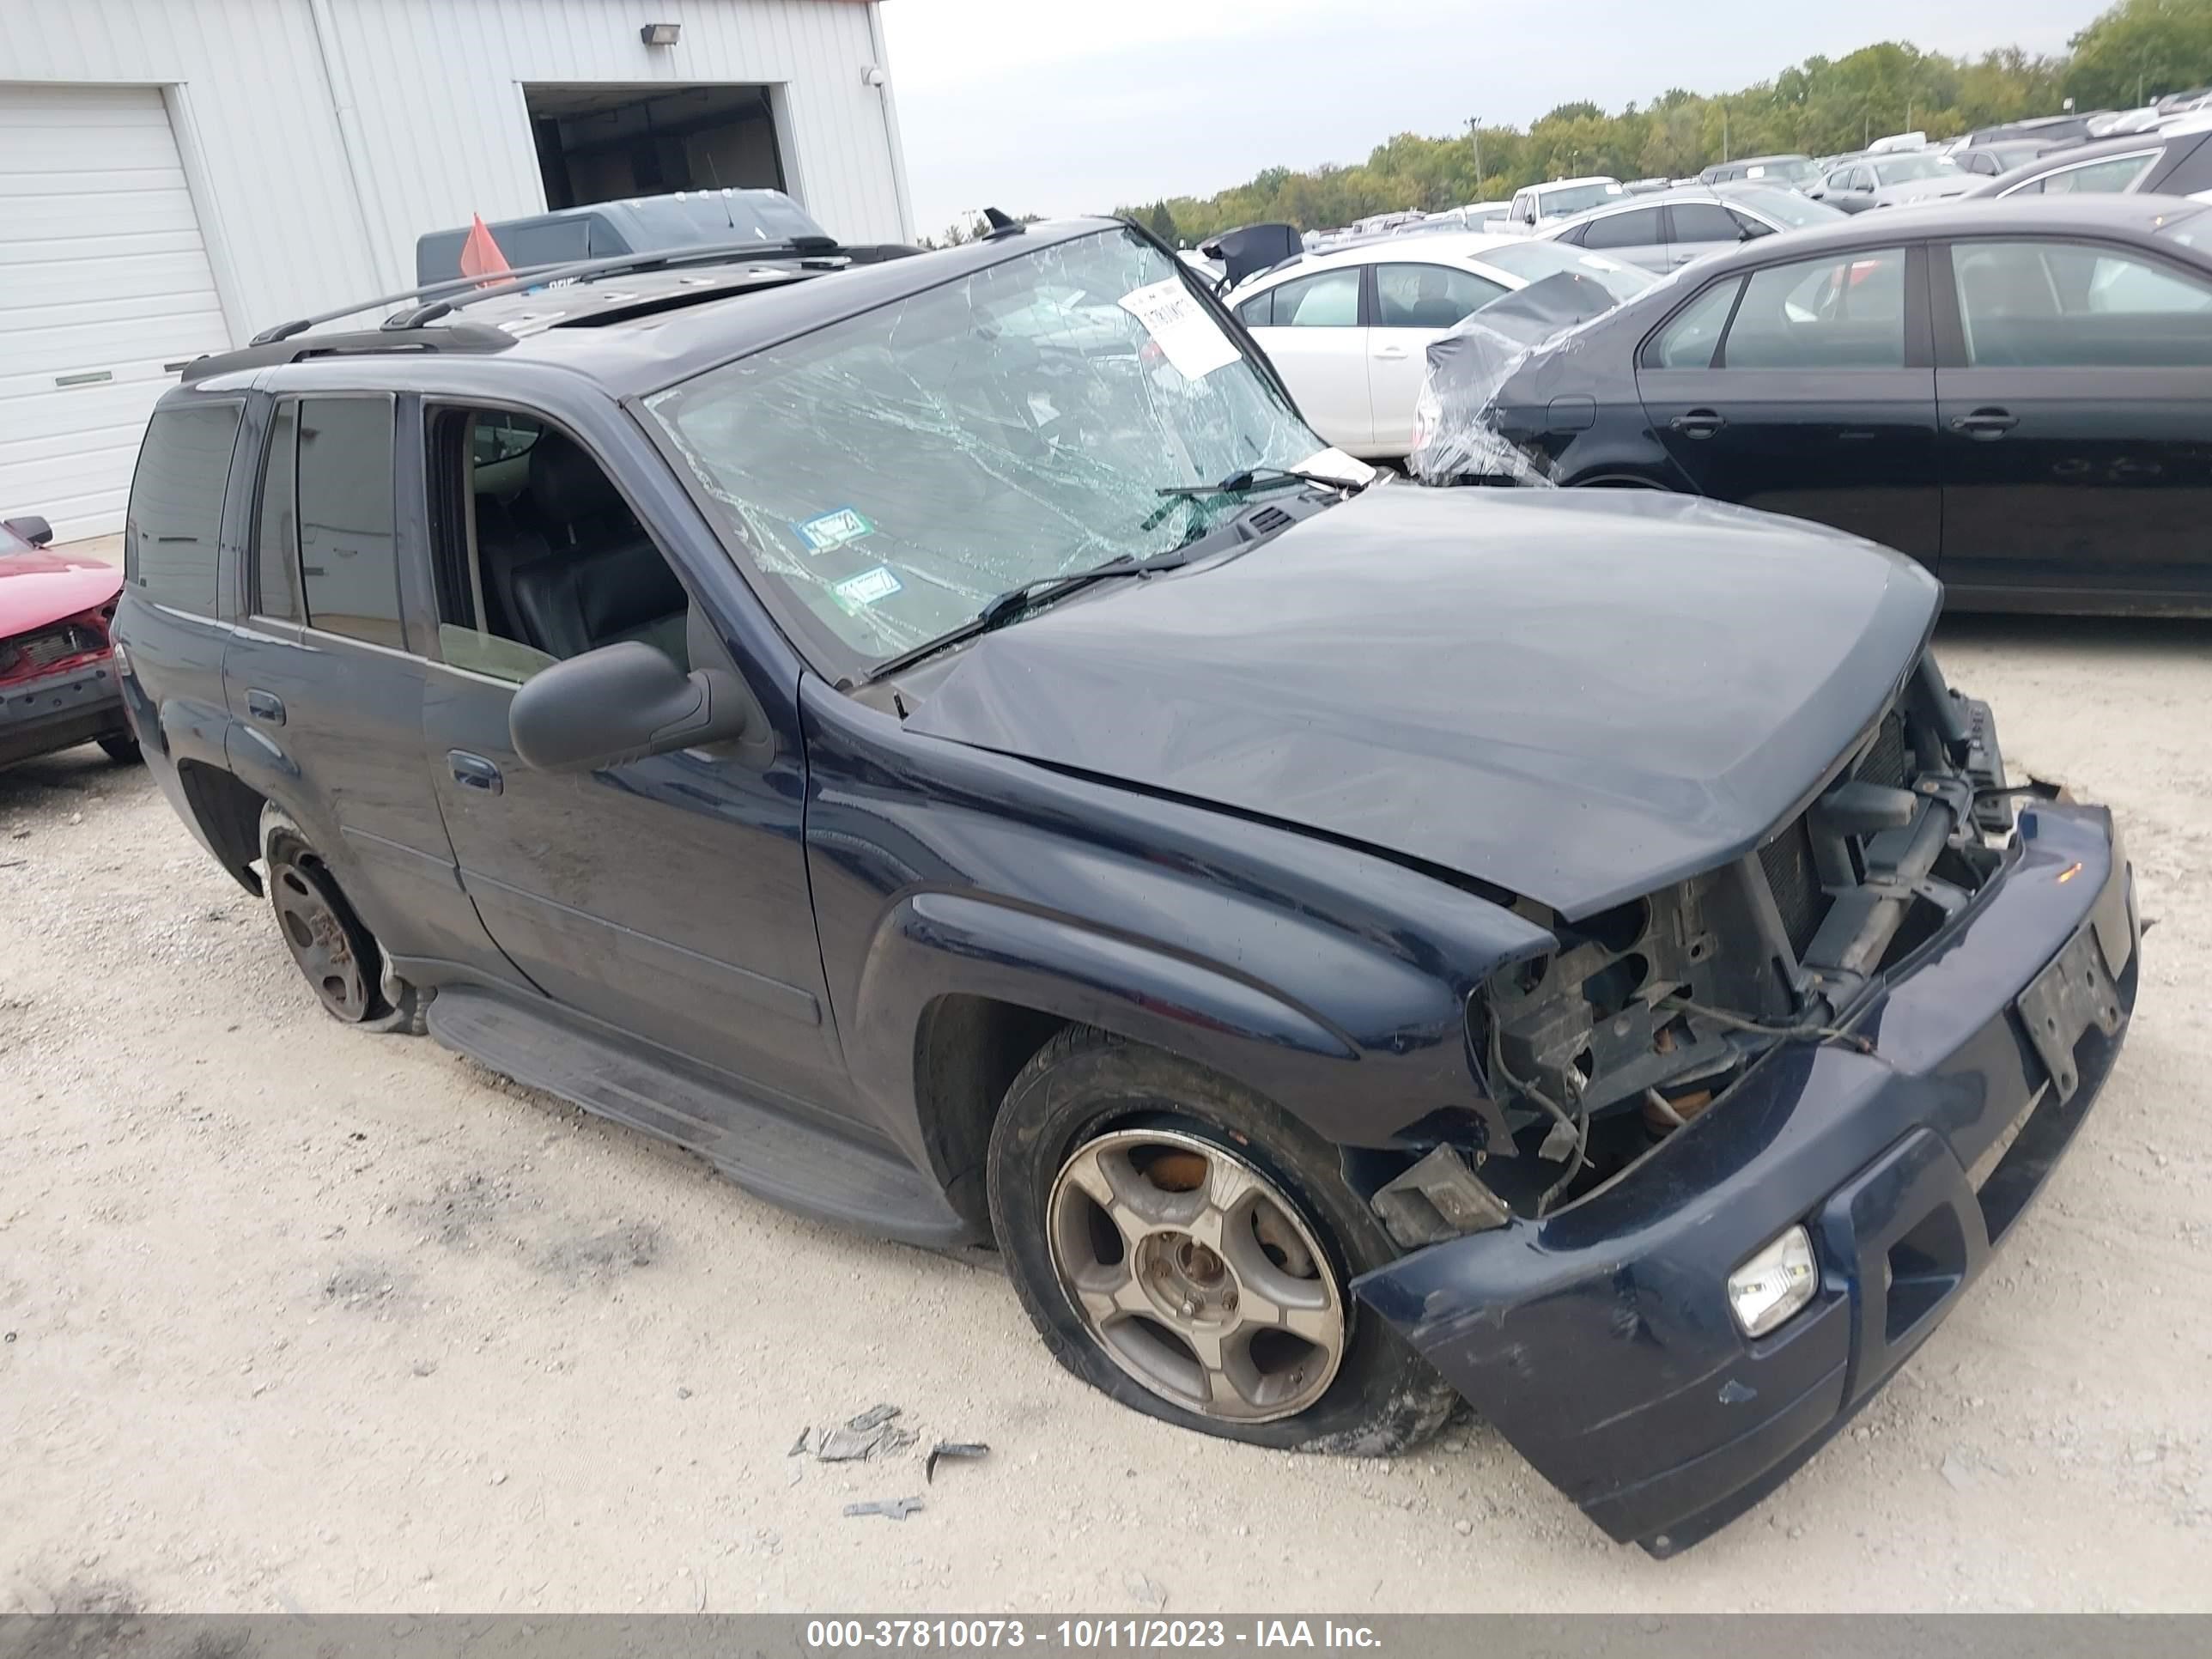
779, 1157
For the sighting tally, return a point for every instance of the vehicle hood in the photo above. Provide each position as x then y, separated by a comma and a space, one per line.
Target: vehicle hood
38, 587
1579, 696
1924, 189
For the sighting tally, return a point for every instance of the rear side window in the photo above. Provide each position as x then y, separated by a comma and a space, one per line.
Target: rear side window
1689, 340
175, 520
1704, 222
1637, 228
348, 561
1841, 312
276, 521
1429, 296
1330, 300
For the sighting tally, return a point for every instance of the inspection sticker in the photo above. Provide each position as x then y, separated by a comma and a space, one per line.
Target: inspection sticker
833, 530
1179, 326
866, 588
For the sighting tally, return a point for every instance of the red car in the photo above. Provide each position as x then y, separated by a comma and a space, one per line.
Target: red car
57, 681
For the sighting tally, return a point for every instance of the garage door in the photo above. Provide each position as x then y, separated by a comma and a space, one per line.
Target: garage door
104, 290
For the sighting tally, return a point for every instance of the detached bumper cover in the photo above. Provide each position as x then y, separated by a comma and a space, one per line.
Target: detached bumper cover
1600, 1341
59, 711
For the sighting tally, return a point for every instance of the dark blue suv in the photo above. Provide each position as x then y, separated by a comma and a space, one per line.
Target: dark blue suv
945, 741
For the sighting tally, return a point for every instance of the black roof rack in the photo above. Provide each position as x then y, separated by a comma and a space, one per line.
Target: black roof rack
462, 337
408, 330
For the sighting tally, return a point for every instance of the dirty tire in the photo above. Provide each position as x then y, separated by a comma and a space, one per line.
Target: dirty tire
123, 750
1086, 1084
335, 953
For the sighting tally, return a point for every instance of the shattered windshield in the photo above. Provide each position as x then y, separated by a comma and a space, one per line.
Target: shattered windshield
896, 471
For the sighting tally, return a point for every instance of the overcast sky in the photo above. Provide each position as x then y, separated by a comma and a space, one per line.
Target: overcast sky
1048, 107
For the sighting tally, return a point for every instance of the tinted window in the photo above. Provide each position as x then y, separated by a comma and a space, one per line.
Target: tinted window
1842, 311
175, 519
2055, 304
1637, 228
544, 242
1429, 296
1747, 226
1258, 312
1704, 222
348, 566
276, 529
1688, 341
1330, 300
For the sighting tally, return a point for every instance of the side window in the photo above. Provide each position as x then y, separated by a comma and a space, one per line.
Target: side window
1429, 296
1843, 312
1749, 227
276, 523
2103, 178
1329, 299
1259, 311
175, 519
1637, 228
1688, 341
537, 557
349, 557
2058, 305
549, 241
1703, 222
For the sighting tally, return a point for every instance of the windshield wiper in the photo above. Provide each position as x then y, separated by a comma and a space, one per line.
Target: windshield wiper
1018, 602
1260, 477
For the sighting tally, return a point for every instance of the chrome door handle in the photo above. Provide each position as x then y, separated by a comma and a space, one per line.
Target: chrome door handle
474, 771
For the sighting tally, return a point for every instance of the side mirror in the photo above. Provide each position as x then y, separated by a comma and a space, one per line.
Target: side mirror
32, 529
622, 702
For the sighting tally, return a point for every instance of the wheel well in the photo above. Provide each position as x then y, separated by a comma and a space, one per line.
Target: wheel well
967, 1050
230, 816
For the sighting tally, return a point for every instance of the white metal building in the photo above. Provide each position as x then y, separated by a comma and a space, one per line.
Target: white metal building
176, 174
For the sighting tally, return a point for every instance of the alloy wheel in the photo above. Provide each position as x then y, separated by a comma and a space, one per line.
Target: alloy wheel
320, 939
1196, 1274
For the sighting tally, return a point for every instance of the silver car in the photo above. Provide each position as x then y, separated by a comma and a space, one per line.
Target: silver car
1669, 229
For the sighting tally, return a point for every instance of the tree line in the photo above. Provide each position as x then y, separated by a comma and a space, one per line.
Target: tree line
2138, 50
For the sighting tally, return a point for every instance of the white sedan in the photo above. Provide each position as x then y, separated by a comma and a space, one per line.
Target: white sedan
1349, 329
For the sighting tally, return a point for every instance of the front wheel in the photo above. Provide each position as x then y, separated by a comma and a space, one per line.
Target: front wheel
1187, 1247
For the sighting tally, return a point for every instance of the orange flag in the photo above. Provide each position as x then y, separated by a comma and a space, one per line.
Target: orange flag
480, 255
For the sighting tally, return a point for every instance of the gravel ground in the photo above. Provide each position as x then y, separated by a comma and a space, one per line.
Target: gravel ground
297, 1318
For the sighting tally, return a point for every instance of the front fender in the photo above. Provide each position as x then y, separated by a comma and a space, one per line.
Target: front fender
1333, 981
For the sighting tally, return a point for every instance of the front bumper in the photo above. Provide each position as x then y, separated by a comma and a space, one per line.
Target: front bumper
59, 711
1599, 1340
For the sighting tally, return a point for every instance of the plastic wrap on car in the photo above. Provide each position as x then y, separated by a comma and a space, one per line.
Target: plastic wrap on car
1458, 434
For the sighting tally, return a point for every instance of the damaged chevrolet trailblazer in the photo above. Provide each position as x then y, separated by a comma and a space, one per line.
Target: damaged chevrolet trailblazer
945, 741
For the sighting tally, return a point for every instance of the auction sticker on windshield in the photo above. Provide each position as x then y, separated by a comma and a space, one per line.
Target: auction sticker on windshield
856, 592
833, 530
1190, 339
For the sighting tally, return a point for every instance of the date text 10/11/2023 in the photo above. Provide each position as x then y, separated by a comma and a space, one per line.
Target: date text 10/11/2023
1086, 1634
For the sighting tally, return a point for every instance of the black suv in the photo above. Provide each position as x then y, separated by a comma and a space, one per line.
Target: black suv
946, 742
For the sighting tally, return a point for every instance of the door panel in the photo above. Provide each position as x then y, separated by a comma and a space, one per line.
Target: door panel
2075, 454
667, 897
1416, 304
326, 722
1310, 329
1814, 405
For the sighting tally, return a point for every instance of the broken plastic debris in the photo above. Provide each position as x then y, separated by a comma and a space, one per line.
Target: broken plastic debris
874, 1416
799, 1444
967, 1449
896, 1509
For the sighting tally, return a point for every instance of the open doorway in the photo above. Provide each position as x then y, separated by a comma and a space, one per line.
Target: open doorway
605, 144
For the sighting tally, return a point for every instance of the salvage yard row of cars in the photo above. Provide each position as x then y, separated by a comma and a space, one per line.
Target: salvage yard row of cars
956, 742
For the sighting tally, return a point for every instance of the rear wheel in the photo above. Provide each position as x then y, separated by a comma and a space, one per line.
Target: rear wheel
1187, 1247
336, 955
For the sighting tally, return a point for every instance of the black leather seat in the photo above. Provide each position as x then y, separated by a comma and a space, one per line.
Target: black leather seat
580, 572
